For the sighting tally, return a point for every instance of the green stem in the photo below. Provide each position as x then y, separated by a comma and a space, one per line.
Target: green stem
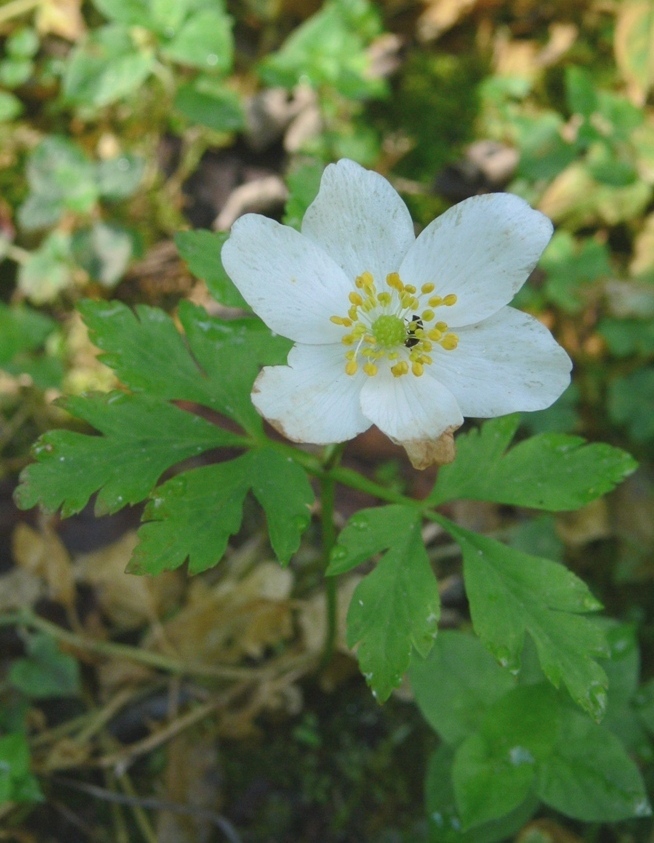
327, 489
137, 654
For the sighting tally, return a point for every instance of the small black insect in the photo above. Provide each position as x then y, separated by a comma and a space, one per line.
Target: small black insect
411, 338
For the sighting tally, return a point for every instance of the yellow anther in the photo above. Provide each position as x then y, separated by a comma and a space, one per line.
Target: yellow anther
369, 338
348, 339
351, 367
350, 355
352, 313
417, 369
435, 334
409, 288
400, 369
341, 320
426, 346
427, 288
393, 280
449, 300
449, 342
427, 315
355, 298
435, 301
441, 326
370, 369
367, 282
385, 299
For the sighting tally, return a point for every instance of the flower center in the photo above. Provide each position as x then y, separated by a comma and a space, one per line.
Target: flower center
396, 324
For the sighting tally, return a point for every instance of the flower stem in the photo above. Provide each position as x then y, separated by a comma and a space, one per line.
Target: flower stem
327, 494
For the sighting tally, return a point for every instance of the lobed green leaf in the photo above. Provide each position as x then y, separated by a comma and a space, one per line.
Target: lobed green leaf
142, 437
395, 608
551, 471
201, 251
193, 515
512, 593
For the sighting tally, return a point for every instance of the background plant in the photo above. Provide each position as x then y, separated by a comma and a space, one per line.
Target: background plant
90, 191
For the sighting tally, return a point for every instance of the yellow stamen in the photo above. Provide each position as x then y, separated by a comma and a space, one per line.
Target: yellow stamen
449, 342
427, 315
355, 298
449, 300
341, 320
417, 369
400, 369
393, 280
435, 334
409, 288
352, 313
435, 301
427, 288
351, 367
370, 369
385, 299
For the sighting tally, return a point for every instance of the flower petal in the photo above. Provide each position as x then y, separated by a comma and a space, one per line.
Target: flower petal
288, 280
409, 408
312, 399
509, 362
482, 250
359, 220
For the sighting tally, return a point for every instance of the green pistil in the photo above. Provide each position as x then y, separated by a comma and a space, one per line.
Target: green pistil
389, 331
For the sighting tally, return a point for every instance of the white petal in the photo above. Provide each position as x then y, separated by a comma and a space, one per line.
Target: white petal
359, 220
312, 399
507, 363
286, 279
482, 250
409, 408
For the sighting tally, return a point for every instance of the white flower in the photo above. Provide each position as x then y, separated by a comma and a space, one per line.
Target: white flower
410, 334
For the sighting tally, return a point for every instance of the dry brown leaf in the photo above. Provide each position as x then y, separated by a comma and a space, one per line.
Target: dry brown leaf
576, 198
42, 554
128, 600
192, 772
62, 18
585, 525
441, 15
19, 589
236, 618
634, 47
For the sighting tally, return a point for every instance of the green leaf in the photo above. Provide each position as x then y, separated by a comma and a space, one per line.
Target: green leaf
495, 768
456, 684
23, 43
10, 107
590, 777
396, 607
142, 437
209, 102
156, 15
571, 266
551, 471
194, 514
204, 41
512, 593
580, 91
303, 184
46, 671
106, 66
630, 403
445, 824
17, 784
119, 177
329, 49
201, 251
150, 355
61, 178
47, 270
104, 251
22, 329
